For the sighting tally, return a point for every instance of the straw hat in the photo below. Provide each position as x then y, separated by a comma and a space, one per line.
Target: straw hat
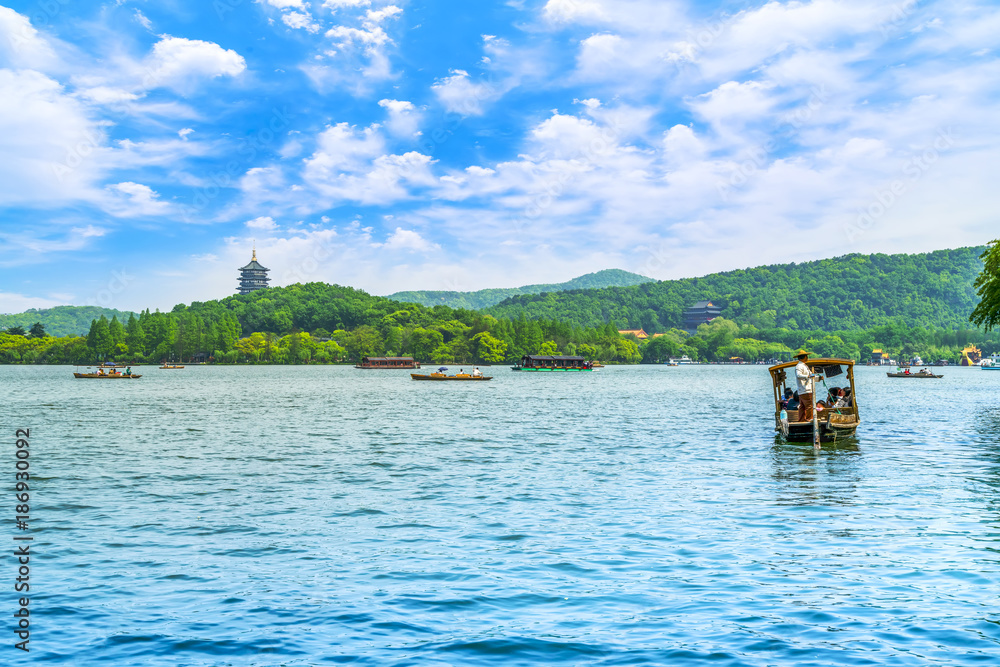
801, 353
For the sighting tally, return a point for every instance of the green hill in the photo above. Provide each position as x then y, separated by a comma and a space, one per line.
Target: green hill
61, 320
489, 297
841, 294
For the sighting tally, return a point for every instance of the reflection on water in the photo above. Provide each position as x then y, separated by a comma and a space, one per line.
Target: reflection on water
807, 476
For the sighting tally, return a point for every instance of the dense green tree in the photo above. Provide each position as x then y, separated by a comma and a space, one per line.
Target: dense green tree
987, 312
16, 331
37, 330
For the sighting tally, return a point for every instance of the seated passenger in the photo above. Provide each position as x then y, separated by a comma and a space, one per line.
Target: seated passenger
793, 402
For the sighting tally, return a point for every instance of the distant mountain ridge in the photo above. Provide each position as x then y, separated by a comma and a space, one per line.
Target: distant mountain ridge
62, 320
851, 292
485, 298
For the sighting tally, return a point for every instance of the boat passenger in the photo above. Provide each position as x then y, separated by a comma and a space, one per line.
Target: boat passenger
793, 402
476, 372
802, 376
128, 371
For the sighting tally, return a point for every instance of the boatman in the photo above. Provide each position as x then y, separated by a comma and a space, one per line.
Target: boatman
802, 375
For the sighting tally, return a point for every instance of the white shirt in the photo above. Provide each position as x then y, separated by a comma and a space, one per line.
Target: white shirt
802, 374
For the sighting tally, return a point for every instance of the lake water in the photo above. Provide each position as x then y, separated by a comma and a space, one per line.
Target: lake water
636, 515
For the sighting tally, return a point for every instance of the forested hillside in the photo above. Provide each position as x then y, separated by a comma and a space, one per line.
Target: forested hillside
61, 320
489, 297
852, 292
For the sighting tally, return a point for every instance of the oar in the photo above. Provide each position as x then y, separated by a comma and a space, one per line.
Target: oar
816, 444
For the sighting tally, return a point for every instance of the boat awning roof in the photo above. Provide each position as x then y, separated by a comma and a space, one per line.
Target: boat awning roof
537, 357
388, 359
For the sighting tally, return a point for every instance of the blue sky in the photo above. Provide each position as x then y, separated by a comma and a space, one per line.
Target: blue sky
394, 144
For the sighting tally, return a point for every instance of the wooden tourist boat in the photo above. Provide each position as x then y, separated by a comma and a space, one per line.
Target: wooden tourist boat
111, 374
539, 363
170, 366
387, 363
461, 377
903, 372
832, 423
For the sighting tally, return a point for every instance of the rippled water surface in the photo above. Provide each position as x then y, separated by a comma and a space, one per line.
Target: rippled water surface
636, 515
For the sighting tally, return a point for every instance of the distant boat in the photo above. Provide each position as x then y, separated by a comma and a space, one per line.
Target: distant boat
170, 366
110, 374
387, 363
904, 372
991, 363
461, 377
683, 361
547, 364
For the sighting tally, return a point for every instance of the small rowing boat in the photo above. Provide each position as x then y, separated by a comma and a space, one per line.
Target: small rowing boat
169, 367
906, 373
440, 375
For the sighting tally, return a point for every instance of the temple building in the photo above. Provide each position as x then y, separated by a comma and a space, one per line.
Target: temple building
253, 276
702, 312
638, 333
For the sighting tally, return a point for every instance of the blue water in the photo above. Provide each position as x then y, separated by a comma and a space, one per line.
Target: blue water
636, 515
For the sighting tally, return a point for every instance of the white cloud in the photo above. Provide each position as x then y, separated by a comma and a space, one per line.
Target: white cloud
177, 62
143, 20
567, 11
136, 199
264, 223
404, 120
21, 45
459, 94
18, 303
338, 4
286, 4
407, 239
300, 21
380, 15
183, 134
52, 147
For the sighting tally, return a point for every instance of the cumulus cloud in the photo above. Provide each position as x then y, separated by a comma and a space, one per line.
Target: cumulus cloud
407, 239
136, 199
179, 63
459, 94
300, 21
263, 223
567, 11
21, 45
404, 120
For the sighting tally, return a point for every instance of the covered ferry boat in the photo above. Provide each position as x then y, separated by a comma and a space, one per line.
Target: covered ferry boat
832, 422
387, 362
540, 363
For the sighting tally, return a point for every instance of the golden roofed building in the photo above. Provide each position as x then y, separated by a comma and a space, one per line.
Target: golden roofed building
638, 333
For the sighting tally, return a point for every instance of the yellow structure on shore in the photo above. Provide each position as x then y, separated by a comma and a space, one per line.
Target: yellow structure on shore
971, 356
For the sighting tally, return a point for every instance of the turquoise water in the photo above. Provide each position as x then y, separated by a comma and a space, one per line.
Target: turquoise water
635, 515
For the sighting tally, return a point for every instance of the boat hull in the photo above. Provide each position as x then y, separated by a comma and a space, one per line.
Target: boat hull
450, 378
95, 376
803, 431
551, 370
913, 375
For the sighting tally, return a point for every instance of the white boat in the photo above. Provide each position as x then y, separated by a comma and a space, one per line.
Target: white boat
683, 361
991, 363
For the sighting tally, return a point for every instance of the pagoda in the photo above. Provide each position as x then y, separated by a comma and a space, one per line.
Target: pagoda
253, 276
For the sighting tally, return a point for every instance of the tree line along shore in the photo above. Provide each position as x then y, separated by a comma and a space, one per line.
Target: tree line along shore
926, 314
